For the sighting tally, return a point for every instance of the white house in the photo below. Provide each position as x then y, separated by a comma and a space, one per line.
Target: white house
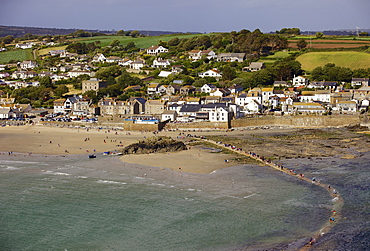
253, 107
300, 81
169, 115
24, 46
211, 73
311, 96
24, 74
208, 88
125, 62
99, 58
137, 65
360, 82
73, 74
349, 106
219, 114
266, 94
28, 64
198, 54
6, 112
159, 63
155, 50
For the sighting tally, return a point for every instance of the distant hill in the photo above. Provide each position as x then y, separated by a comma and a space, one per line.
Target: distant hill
17, 31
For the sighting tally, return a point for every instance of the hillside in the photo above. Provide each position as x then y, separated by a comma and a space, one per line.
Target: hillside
141, 42
18, 31
349, 59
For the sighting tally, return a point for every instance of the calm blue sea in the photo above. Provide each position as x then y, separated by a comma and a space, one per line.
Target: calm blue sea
76, 203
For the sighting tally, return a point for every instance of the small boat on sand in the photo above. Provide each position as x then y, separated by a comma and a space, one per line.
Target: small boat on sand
92, 156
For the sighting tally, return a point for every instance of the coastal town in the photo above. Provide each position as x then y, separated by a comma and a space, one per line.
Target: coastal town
139, 140
153, 85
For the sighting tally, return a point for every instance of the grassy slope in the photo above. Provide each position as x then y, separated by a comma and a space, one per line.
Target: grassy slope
349, 59
46, 50
272, 58
19, 55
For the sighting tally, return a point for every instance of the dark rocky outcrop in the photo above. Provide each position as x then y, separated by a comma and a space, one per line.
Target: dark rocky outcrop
155, 144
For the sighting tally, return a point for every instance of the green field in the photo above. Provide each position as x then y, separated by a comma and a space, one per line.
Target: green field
349, 59
270, 59
18, 55
140, 42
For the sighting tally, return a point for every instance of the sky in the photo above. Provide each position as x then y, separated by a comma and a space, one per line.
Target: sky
187, 15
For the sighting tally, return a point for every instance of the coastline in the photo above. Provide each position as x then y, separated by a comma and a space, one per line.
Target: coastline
337, 199
30, 137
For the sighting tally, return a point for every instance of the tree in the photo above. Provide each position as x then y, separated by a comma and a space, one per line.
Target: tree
319, 34
174, 41
121, 33
46, 82
301, 44
289, 31
135, 33
228, 73
104, 73
60, 90
79, 48
130, 45
8, 39
81, 33
261, 77
114, 43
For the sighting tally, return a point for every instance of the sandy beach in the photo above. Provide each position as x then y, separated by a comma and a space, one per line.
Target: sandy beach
272, 143
37, 139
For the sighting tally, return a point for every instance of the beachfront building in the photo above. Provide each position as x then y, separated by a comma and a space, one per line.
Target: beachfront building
349, 106
68, 105
308, 108
59, 105
82, 106
154, 107
266, 94
169, 115
6, 113
219, 114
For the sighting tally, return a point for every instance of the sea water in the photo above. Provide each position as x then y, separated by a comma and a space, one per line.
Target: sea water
75, 203
351, 177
